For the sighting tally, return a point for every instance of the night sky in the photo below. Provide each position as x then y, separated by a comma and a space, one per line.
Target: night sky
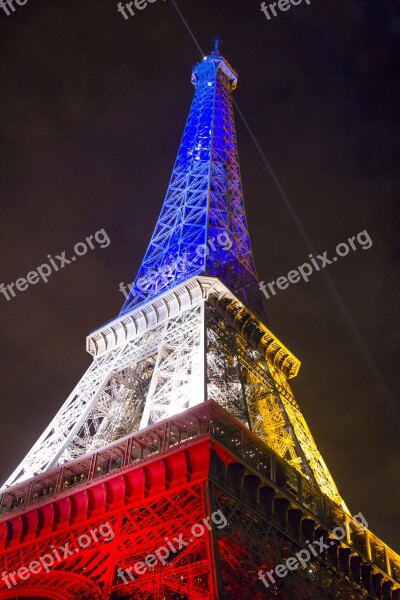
92, 109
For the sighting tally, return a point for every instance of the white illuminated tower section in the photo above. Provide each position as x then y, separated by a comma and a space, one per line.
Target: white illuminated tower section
192, 328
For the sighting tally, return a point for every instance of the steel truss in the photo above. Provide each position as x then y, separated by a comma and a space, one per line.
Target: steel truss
109, 401
204, 202
191, 357
205, 461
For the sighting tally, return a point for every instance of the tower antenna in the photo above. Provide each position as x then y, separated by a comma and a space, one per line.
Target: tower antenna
217, 41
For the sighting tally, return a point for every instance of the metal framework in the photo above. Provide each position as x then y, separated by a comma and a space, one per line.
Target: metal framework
155, 485
204, 202
215, 348
190, 336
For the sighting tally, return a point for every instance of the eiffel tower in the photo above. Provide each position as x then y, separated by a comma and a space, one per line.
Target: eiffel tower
182, 445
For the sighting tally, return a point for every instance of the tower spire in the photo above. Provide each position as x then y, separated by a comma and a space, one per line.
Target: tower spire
217, 41
202, 227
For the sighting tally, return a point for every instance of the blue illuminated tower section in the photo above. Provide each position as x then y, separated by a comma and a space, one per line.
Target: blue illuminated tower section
202, 228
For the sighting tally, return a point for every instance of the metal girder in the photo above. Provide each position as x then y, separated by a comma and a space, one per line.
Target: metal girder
173, 365
154, 500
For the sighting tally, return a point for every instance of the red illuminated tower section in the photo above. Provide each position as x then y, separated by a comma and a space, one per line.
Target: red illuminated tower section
181, 466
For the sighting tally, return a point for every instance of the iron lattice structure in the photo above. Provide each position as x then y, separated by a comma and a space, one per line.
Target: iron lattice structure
186, 408
204, 201
157, 483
